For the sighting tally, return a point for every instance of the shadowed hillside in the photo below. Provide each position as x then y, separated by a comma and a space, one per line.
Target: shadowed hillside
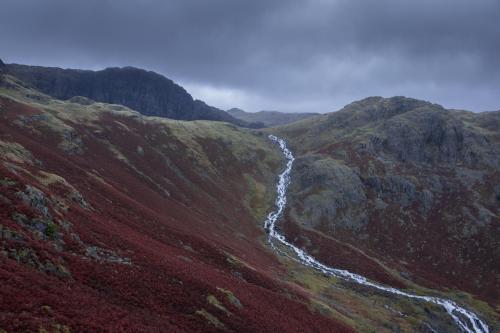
147, 92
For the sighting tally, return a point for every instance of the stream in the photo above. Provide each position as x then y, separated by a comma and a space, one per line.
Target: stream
466, 320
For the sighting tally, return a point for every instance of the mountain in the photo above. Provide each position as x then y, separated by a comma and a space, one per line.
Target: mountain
269, 118
111, 220
414, 185
144, 91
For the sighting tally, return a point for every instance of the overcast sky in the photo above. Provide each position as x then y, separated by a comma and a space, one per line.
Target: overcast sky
312, 56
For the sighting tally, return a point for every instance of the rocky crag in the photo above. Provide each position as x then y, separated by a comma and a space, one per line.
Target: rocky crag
144, 91
406, 181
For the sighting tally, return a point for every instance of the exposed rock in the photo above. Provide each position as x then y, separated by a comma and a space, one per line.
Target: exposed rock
380, 204
36, 199
72, 143
140, 150
497, 192
77, 197
103, 255
334, 192
395, 188
81, 100
427, 199
42, 228
9, 234
29, 257
433, 136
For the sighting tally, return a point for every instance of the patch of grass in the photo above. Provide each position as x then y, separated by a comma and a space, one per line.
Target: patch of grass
216, 303
210, 318
230, 296
256, 197
14, 152
51, 230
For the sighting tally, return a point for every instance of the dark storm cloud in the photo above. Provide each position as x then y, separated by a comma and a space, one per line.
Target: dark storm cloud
287, 55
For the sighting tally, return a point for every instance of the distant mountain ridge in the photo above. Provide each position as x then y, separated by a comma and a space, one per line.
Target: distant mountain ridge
147, 92
269, 118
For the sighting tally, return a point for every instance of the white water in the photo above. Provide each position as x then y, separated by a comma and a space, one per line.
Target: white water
466, 320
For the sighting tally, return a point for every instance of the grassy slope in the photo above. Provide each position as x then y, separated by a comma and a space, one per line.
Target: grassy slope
136, 224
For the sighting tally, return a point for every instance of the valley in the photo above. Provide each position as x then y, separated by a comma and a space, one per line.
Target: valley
112, 220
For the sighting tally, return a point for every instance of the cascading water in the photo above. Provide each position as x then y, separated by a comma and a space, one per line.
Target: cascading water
466, 320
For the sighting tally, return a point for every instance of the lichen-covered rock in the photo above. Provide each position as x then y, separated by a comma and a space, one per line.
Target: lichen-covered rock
36, 199
78, 198
433, 136
331, 191
9, 234
393, 187
102, 255
72, 142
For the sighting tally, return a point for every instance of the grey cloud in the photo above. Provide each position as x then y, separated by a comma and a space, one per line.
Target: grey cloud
313, 55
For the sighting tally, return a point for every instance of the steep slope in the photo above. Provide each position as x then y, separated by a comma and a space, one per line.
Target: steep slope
112, 221
147, 92
269, 118
408, 182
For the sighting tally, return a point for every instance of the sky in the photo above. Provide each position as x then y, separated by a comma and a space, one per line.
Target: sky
286, 55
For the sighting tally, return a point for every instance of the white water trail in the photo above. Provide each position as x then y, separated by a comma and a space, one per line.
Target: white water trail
466, 320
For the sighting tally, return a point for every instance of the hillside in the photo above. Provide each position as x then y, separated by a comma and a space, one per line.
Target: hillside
147, 92
413, 184
115, 221
112, 221
269, 118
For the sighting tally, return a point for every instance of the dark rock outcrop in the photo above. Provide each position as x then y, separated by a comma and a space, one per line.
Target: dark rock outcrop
144, 91
3, 70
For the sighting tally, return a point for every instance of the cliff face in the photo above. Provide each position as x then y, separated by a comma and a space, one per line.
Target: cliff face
144, 91
410, 181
